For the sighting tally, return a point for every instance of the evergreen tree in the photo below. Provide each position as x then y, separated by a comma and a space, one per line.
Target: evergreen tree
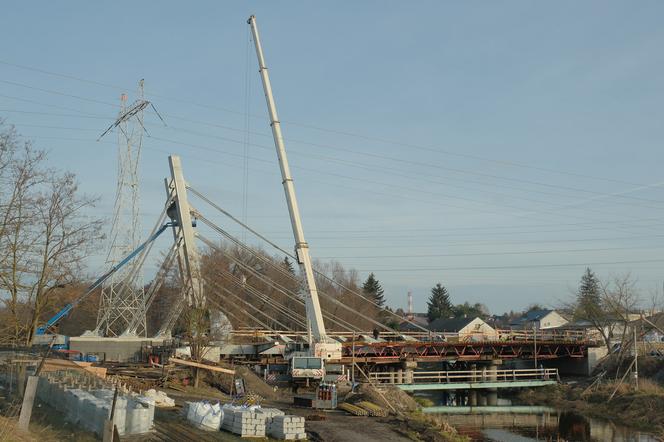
588, 299
439, 304
372, 290
589, 289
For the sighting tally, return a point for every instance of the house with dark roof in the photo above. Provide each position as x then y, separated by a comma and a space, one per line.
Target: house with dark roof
414, 323
539, 319
470, 328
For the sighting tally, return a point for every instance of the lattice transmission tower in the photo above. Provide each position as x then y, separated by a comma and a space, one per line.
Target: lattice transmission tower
123, 296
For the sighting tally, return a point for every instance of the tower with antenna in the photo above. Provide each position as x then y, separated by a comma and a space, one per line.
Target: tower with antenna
123, 296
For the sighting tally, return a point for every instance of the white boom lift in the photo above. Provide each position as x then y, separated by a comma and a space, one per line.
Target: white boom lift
320, 345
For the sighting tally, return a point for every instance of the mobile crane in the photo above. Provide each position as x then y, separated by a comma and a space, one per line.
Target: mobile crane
321, 347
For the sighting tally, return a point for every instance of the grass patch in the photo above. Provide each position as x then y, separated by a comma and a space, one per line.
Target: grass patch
423, 402
431, 428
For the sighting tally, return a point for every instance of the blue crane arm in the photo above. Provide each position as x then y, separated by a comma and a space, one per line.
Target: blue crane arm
67, 308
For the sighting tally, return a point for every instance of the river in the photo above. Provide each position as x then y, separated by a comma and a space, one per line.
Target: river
507, 423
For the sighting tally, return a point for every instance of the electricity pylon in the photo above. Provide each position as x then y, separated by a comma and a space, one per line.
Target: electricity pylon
123, 296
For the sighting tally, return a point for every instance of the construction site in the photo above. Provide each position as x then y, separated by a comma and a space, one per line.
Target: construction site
202, 326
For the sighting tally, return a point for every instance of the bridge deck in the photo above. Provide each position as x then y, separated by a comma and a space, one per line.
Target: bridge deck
422, 351
467, 379
478, 386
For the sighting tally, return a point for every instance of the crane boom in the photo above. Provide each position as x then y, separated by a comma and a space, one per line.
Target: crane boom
67, 308
312, 303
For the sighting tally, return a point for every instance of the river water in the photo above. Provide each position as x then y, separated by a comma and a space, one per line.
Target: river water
526, 423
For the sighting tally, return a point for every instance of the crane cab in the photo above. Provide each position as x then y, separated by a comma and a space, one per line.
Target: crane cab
305, 366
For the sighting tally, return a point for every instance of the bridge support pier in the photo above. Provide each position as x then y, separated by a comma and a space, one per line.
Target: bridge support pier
472, 398
492, 375
409, 367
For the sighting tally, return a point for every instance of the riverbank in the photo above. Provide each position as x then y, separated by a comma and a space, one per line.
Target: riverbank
642, 409
406, 416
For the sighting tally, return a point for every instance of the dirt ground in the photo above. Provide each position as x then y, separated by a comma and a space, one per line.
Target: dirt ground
339, 427
171, 426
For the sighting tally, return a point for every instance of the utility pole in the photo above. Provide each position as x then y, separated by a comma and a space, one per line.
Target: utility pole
636, 362
312, 303
535, 342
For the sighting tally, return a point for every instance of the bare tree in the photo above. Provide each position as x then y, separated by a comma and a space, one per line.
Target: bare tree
606, 305
44, 234
197, 334
620, 299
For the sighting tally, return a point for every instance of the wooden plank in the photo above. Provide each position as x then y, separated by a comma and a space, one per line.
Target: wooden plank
28, 400
199, 365
59, 364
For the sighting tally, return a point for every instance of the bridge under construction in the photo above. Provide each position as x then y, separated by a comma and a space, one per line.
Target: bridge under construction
302, 329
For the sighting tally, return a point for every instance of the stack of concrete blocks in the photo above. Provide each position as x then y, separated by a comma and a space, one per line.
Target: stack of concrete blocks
243, 422
87, 403
286, 427
269, 413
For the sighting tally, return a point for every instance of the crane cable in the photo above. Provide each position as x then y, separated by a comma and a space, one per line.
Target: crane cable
329, 297
215, 206
290, 294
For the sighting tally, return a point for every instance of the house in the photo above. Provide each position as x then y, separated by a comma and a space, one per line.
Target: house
471, 328
612, 328
415, 323
539, 319
589, 329
653, 328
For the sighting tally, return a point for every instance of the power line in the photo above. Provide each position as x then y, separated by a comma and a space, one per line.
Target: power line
365, 166
524, 266
527, 252
398, 160
336, 131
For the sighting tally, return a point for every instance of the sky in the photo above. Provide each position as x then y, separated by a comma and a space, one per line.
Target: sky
496, 147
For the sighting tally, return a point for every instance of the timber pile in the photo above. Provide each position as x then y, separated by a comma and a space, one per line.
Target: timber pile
372, 409
353, 409
139, 377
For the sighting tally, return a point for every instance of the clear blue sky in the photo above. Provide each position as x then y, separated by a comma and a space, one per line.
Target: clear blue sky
496, 147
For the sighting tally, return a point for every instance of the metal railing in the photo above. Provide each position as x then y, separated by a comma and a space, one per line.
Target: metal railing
557, 335
464, 377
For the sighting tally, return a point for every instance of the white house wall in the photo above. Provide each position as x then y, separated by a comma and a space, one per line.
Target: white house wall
552, 320
478, 328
